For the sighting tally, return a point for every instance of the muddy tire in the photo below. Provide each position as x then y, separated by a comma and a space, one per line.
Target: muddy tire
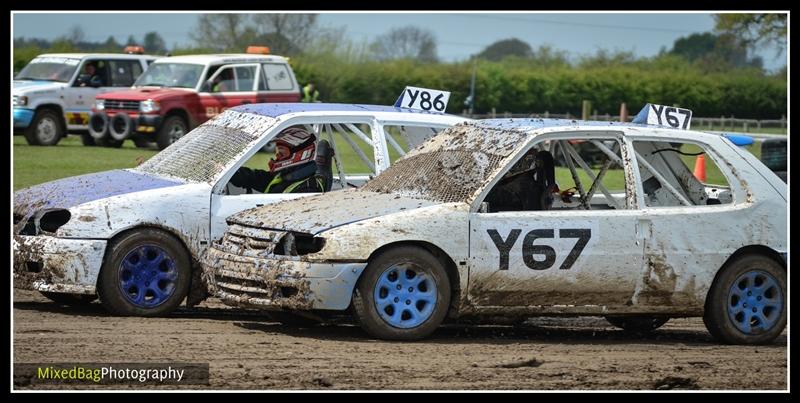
412, 311
46, 129
747, 301
173, 128
69, 299
637, 324
292, 319
146, 272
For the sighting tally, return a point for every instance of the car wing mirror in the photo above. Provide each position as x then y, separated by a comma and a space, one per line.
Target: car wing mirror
484, 207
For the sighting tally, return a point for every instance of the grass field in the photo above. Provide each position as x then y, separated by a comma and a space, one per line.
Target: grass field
34, 165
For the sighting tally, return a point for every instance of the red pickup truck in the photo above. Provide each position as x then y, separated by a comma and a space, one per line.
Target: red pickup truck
175, 94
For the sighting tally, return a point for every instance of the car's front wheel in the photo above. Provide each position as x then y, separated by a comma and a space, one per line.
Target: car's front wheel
69, 299
403, 294
146, 273
747, 301
46, 129
173, 128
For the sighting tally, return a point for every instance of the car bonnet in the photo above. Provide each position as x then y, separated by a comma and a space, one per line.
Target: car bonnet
70, 192
317, 213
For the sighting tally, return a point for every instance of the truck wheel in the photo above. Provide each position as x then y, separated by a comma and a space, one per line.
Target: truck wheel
146, 273
46, 129
69, 299
88, 140
403, 294
637, 324
171, 130
747, 301
140, 141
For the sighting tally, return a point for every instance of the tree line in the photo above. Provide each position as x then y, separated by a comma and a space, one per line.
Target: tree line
714, 73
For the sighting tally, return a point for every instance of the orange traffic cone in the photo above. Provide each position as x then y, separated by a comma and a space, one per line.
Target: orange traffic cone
700, 168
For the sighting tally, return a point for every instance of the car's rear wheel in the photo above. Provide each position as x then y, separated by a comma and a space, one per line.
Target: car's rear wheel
171, 130
637, 324
69, 299
46, 129
747, 301
403, 294
147, 272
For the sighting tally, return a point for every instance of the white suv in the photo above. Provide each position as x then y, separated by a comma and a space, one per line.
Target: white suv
53, 94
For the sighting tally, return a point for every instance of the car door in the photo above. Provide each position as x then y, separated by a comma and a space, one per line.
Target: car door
350, 140
228, 86
692, 226
570, 257
79, 98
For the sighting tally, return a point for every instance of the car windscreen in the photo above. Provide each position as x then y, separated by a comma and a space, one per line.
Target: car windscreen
177, 75
202, 154
451, 166
58, 69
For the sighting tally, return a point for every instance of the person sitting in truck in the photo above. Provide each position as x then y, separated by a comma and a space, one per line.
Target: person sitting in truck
91, 76
223, 82
296, 168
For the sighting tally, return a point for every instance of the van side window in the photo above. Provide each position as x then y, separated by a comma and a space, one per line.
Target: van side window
277, 76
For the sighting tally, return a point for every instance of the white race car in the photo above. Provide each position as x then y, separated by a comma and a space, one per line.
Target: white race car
507, 218
135, 236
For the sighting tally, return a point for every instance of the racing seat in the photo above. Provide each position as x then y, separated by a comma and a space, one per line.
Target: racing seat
324, 161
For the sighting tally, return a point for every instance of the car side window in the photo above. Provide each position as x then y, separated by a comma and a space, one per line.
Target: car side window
276, 77
93, 73
680, 174
124, 72
234, 79
564, 174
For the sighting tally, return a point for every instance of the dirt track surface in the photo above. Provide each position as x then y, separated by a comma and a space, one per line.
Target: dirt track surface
246, 351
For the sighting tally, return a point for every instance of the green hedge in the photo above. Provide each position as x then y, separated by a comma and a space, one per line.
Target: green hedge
525, 89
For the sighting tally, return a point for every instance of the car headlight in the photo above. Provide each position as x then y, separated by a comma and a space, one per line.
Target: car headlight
100, 104
149, 106
20, 100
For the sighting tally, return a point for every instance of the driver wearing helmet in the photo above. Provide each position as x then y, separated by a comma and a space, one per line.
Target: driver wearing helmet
293, 170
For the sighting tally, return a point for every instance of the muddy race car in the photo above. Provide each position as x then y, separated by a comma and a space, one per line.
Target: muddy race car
481, 221
134, 236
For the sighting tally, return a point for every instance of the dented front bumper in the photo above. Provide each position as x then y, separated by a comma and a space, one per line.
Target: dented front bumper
47, 263
279, 282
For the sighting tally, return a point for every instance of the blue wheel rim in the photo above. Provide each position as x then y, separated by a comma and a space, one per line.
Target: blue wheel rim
755, 302
405, 295
147, 276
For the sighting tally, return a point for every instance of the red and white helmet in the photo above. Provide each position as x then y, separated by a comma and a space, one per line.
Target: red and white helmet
293, 146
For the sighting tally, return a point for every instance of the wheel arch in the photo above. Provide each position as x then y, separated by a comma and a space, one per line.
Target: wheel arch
58, 109
761, 250
195, 261
183, 114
